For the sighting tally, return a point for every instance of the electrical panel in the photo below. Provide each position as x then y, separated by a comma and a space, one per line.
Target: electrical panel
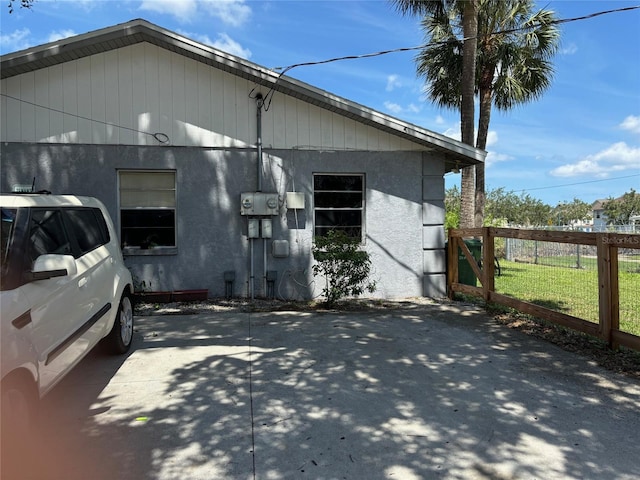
259, 203
253, 228
280, 248
266, 226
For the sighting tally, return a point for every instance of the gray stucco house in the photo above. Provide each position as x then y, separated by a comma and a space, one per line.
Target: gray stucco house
210, 164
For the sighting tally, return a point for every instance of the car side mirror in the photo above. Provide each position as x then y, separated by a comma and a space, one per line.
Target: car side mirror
52, 265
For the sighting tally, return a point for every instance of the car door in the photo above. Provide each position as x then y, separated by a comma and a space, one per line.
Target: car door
95, 270
56, 312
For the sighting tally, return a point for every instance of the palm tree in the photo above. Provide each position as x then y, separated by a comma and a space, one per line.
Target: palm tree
468, 12
512, 67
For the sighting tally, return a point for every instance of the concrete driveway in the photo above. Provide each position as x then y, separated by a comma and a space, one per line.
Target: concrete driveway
436, 391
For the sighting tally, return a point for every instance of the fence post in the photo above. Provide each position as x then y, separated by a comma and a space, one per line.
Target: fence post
488, 259
452, 260
604, 286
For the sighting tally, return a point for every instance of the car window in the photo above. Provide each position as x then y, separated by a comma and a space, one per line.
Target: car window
47, 234
8, 223
88, 227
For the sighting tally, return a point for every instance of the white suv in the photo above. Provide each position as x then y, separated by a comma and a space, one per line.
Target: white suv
64, 287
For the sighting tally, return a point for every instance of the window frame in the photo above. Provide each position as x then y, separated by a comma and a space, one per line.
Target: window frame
361, 209
152, 250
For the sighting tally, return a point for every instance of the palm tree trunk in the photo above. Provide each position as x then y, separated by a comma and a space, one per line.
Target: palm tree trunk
467, 113
483, 132
467, 191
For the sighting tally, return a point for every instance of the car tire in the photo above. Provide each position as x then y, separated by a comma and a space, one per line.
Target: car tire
19, 405
121, 336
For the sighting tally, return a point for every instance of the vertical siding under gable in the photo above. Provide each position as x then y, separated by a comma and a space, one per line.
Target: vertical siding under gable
150, 116
141, 89
83, 93
70, 102
178, 96
41, 97
125, 96
139, 115
56, 127
98, 100
112, 97
27, 110
205, 103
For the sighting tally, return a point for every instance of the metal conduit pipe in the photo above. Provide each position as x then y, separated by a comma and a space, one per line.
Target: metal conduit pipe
259, 104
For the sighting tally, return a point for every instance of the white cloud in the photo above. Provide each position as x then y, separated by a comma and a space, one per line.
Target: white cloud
392, 82
393, 107
618, 157
224, 42
60, 34
493, 158
397, 109
440, 120
231, 12
227, 44
453, 133
183, 10
570, 49
631, 123
492, 138
16, 40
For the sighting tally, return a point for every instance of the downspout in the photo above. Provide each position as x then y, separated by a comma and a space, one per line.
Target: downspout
251, 287
259, 104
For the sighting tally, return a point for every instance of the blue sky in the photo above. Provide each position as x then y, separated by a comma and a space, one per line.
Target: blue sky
581, 140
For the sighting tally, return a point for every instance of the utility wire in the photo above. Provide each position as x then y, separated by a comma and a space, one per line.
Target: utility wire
162, 138
268, 97
443, 42
576, 183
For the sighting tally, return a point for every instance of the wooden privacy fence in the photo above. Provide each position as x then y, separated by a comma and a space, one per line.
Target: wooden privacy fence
607, 246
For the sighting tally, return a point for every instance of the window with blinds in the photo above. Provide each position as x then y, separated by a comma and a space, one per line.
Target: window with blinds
147, 208
338, 203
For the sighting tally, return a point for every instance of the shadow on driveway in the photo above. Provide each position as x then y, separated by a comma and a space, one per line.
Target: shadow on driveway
435, 392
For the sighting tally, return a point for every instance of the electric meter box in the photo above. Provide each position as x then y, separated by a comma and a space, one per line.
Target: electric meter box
259, 203
295, 200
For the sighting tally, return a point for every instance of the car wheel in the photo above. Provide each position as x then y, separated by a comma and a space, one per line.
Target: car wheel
19, 417
122, 333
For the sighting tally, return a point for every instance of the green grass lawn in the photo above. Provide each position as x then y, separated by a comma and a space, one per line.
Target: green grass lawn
628, 264
569, 290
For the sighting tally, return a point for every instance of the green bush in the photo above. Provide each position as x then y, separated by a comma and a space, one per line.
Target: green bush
345, 268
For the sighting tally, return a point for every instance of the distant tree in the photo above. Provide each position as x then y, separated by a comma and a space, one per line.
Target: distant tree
567, 213
620, 209
502, 208
452, 208
22, 3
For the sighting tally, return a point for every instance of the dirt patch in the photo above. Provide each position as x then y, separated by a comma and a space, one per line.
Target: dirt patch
623, 361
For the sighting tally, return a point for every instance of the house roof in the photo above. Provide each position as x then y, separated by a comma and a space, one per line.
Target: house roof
456, 153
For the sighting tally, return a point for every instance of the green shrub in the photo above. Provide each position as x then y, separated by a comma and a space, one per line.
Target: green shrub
345, 268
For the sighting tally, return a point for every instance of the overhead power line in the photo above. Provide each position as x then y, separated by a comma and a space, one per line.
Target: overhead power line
576, 183
432, 44
269, 96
